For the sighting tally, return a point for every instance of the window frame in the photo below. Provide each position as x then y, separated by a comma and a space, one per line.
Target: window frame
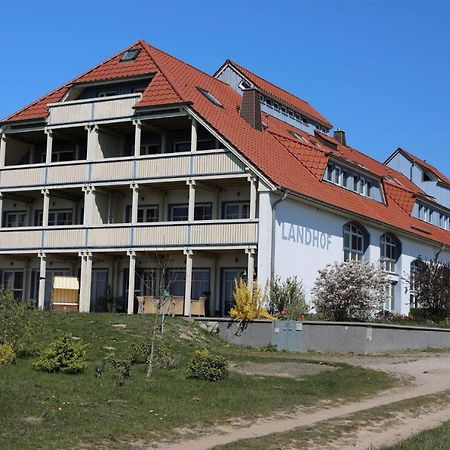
240, 203
17, 213
354, 231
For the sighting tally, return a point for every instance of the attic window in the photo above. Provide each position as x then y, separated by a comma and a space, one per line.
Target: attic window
210, 97
297, 136
130, 55
426, 176
244, 84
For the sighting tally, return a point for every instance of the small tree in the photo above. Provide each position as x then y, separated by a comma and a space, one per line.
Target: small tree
18, 320
287, 298
352, 290
430, 284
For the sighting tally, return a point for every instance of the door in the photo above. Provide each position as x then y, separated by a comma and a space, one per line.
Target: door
228, 278
99, 290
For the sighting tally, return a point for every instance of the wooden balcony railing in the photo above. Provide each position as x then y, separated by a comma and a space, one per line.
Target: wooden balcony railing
223, 233
127, 169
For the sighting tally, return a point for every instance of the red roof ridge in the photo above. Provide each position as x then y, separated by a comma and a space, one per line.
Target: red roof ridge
147, 47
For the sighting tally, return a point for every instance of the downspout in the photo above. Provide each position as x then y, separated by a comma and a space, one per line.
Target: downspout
274, 220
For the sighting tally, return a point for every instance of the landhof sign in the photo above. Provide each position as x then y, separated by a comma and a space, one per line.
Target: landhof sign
305, 236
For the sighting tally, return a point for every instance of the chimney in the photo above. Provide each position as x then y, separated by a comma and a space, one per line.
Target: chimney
339, 135
250, 109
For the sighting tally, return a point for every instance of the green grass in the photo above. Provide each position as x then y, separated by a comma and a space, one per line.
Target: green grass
75, 409
436, 439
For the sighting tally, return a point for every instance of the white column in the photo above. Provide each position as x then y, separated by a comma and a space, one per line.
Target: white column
2, 150
48, 154
252, 197
193, 135
134, 203
188, 283
46, 207
137, 137
85, 282
89, 203
131, 280
42, 275
250, 265
191, 200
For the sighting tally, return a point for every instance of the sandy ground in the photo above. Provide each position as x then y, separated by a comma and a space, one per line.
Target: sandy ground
427, 373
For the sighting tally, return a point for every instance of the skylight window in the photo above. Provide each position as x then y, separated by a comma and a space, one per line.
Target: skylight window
130, 55
210, 97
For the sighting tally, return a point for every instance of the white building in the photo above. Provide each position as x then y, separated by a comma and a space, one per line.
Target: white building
145, 163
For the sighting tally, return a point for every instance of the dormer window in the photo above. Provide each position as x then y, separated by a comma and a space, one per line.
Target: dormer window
130, 55
426, 177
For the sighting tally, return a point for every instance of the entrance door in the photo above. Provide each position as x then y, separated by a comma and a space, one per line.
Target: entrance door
228, 278
99, 290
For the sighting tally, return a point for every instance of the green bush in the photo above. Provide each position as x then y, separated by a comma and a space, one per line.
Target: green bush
287, 299
163, 357
206, 366
63, 355
121, 368
7, 354
19, 320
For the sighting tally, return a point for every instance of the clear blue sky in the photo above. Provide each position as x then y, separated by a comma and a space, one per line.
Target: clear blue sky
380, 69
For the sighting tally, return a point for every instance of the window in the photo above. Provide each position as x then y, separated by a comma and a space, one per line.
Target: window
210, 97
432, 215
354, 242
146, 213
426, 176
235, 210
14, 219
13, 279
389, 299
244, 84
344, 177
413, 271
200, 282
130, 55
185, 146
106, 94
150, 149
59, 217
389, 252
202, 211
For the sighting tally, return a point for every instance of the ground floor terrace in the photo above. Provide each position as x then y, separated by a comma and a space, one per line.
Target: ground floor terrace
113, 281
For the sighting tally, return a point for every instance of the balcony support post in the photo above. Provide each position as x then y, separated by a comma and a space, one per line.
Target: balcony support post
131, 281
253, 192
49, 148
134, 203
1, 209
193, 135
93, 145
89, 203
2, 150
188, 283
42, 280
46, 207
191, 200
137, 137
250, 268
86, 281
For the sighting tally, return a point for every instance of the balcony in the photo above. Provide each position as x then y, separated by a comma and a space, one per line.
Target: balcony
127, 169
97, 109
224, 233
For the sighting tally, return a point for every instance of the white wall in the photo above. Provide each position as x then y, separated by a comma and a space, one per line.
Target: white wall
308, 238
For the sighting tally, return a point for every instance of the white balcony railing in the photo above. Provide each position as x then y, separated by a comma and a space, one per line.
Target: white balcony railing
127, 169
223, 233
82, 111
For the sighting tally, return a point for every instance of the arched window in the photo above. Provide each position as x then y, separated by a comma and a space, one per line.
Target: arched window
389, 252
355, 242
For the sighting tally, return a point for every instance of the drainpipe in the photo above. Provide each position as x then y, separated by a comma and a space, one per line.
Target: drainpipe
274, 220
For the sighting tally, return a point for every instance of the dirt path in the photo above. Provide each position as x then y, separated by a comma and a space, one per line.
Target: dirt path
429, 372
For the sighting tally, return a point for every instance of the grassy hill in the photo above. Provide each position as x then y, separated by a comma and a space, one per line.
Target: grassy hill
44, 410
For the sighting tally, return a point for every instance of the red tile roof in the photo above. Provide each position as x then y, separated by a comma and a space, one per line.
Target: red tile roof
290, 163
278, 93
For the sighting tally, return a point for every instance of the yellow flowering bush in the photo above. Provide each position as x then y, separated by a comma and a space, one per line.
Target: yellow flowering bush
248, 302
7, 354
